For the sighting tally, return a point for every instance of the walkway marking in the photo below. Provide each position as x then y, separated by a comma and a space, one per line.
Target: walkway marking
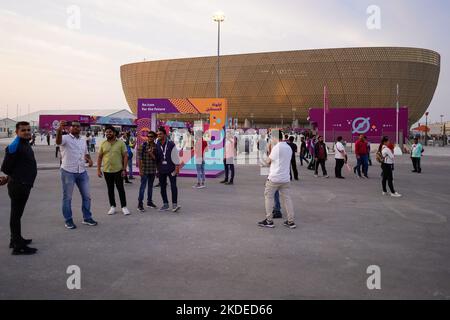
418, 214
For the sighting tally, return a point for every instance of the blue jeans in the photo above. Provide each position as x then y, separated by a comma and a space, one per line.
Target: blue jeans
277, 205
200, 172
130, 167
82, 181
363, 162
146, 179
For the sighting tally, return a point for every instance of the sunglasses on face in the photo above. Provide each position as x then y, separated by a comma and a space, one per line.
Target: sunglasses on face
25, 130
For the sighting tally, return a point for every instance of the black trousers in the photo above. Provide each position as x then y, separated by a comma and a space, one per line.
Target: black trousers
173, 187
416, 164
115, 178
320, 162
229, 167
18, 193
387, 177
338, 168
303, 158
294, 168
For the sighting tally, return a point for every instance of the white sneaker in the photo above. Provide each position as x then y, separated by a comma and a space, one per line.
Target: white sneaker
112, 210
315, 176
396, 195
125, 211
327, 176
384, 193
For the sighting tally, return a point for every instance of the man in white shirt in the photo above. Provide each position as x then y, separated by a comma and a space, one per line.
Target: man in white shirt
279, 180
339, 156
74, 154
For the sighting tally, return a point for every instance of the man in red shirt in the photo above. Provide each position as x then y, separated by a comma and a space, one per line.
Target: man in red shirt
200, 147
361, 151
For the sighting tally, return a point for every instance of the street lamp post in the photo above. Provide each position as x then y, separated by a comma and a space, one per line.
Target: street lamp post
218, 17
426, 127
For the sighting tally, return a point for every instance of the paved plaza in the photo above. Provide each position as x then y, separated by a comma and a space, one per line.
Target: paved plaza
213, 249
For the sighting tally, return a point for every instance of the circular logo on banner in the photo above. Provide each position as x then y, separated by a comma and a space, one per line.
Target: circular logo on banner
361, 125
55, 124
144, 133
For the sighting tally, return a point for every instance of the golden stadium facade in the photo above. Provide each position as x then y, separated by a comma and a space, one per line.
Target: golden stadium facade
274, 87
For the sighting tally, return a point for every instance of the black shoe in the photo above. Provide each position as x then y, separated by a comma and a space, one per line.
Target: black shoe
90, 222
70, 225
141, 208
151, 205
224, 181
266, 224
413, 170
340, 178
277, 214
229, 182
290, 225
25, 241
24, 251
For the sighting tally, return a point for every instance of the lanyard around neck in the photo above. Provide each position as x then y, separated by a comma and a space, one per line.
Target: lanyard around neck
164, 150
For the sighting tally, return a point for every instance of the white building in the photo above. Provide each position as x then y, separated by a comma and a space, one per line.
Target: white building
33, 117
5, 125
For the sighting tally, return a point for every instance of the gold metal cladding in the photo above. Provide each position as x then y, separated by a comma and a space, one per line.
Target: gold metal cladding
286, 84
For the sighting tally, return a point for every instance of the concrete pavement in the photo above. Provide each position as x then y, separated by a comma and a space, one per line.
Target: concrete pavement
213, 249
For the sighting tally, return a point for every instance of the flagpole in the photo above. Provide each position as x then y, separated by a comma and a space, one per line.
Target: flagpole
396, 119
397, 149
324, 113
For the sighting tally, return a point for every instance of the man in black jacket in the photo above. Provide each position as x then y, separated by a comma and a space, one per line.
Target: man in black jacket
303, 151
168, 164
290, 142
20, 166
320, 156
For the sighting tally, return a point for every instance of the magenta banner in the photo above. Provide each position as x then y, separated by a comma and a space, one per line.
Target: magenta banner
351, 122
51, 121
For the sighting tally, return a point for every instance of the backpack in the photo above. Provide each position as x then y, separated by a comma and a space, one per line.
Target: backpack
379, 157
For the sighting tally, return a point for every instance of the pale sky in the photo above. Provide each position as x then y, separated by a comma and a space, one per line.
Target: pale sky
47, 62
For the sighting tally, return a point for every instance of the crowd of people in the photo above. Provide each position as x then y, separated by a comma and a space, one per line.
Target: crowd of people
159, 158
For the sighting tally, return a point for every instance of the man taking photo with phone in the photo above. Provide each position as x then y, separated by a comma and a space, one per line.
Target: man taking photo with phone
74, 155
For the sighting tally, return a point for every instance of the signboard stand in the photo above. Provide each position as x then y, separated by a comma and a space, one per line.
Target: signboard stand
148, 109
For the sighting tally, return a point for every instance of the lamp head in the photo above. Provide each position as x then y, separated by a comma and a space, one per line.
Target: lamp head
219, 17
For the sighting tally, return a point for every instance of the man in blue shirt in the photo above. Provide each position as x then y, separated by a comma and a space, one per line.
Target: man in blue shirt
167, 161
